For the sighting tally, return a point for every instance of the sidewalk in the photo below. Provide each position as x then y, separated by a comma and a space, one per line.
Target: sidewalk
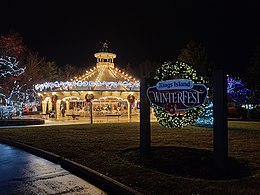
25, 173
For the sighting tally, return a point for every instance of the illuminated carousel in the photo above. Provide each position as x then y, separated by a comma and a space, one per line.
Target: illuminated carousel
103, 90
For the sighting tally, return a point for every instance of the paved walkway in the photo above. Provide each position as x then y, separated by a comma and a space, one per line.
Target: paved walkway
24, 173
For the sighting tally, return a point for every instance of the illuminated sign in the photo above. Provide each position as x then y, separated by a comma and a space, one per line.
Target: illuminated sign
177, 94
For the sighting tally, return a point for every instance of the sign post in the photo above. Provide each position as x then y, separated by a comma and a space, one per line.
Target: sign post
220, 121
145, 126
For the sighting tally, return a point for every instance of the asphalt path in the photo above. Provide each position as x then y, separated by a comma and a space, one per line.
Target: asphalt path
24, 173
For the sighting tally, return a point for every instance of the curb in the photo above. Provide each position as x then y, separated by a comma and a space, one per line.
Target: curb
104, 182
108, 184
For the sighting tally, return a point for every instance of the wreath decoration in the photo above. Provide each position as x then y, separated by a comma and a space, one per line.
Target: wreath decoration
131, 98
168, 117
89, 97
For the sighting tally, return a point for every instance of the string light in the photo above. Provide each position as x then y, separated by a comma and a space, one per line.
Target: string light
19, 97
206, 119
9, 67
67, 85
17, 101
237, 90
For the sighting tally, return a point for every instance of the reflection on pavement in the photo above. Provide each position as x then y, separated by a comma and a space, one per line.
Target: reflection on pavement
25, 173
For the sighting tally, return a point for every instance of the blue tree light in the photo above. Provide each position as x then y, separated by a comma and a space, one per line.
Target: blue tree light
237, 91
206, 119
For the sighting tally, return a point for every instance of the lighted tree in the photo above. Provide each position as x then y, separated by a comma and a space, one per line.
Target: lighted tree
206, 119
9, 67
11, 55
9, 72
237, 91
16, 81
17, 101
21, 98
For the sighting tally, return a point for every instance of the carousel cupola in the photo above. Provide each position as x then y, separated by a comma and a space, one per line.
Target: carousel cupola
104, 57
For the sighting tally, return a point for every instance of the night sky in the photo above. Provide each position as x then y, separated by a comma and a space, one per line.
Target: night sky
70, 32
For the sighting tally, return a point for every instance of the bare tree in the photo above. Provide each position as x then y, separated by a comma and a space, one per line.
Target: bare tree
32, 75
12, 45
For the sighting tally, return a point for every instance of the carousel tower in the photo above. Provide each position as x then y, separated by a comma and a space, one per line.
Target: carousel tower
105, 59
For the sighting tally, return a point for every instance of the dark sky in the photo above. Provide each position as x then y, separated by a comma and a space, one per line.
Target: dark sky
70, 32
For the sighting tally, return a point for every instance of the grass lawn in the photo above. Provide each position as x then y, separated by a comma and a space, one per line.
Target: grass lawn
180, 161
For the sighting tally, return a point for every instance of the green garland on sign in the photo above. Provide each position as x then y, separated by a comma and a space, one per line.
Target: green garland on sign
177, 70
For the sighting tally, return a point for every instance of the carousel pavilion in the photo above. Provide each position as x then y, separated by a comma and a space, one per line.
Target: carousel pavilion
100, 91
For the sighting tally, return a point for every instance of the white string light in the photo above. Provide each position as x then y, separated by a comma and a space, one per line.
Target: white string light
67, 85
9, 67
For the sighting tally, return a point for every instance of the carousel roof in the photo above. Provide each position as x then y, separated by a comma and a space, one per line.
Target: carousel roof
103, 77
